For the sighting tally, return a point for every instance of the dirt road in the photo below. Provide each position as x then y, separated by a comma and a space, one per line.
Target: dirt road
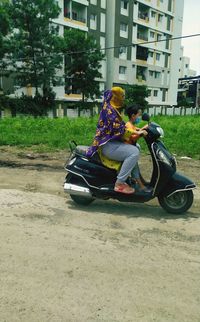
108, 262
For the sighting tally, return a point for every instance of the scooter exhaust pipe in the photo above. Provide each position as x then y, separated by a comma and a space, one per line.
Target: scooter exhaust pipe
74, 189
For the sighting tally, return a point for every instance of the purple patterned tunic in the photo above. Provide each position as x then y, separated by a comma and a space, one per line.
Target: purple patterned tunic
110, 125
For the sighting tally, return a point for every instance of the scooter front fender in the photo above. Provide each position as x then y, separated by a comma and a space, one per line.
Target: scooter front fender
177, 182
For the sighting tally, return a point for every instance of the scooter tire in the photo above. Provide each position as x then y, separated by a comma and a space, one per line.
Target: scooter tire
79, 200
83, 201
177, 203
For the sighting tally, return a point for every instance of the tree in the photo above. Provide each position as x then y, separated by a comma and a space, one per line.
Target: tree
4, 43
35, 43
82, 63
136, 94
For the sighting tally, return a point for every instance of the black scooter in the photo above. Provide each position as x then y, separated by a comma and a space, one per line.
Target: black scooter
88, 178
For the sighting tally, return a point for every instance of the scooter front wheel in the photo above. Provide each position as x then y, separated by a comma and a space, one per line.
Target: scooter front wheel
177, 203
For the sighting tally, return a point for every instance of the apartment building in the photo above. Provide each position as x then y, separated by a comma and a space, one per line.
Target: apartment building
185, 70
87, 16
134, 30
156, 64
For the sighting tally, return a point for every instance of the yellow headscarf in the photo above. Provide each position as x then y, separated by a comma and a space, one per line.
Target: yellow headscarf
117, 97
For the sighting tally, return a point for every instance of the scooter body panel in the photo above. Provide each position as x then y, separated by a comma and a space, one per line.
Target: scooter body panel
105, 191
94, 174
162, 171
177, 182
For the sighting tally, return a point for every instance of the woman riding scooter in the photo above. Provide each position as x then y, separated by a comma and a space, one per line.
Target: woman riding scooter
109, 133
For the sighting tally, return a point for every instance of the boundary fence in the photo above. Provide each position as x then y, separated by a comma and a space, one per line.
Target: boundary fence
63, 110
172, 110
151, 109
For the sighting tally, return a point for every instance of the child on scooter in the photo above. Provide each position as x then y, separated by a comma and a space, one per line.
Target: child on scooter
134, 114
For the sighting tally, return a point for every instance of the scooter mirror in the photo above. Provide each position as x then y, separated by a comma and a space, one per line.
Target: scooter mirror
145, 117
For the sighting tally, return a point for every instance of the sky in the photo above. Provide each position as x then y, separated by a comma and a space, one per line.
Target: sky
191, 25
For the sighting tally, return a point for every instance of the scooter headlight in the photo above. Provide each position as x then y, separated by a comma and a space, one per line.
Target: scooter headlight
160, 131
163, 158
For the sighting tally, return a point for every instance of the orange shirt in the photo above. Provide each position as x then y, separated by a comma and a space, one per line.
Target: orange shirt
132, 129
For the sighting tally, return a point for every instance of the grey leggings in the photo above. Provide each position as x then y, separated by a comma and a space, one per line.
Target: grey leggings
129, 154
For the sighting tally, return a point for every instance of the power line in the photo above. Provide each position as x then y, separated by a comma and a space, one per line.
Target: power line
112, 47
130, 45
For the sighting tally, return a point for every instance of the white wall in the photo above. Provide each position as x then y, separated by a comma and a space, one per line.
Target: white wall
176, 50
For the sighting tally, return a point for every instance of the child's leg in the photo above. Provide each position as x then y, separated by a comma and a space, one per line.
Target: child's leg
135, 174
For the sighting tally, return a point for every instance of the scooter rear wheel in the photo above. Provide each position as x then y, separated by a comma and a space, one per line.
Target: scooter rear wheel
79, 200
177, 203
83, 201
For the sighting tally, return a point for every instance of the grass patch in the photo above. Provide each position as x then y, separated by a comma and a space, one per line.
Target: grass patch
182, 133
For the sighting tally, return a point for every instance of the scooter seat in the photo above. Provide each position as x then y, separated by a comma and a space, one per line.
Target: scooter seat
81, 149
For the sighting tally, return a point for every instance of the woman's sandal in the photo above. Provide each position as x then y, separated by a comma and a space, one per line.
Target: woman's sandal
123, 188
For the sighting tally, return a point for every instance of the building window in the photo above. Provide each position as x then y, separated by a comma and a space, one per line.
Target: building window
151, 54
103, 22
123, 52
155, 93
153, 14
152, 34
160, 18
122, 73
149, 92
159, 37
164, 94
157, 56
123, 30
169, 5
151, 73
93, 2
124, 4
93, 21
169, 20
92, 17
103, 43
124, 7
157, 75
122, 70
123, 27
186, 65
103, 4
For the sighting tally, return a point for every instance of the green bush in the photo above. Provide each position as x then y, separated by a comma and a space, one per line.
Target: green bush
181, 133
28, 105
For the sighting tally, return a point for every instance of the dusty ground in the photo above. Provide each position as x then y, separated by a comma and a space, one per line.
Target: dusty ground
108, 262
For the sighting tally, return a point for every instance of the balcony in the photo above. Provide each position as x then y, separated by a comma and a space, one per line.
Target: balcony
75, 12
143, 16
142, 54
142, 36
78, 17
142, 33
143, 13
141, 75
